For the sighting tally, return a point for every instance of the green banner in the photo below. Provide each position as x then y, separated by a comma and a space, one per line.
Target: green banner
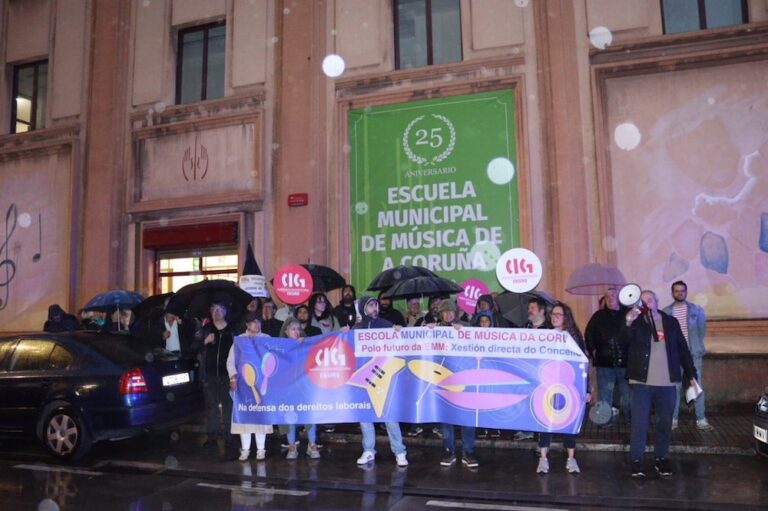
434, 184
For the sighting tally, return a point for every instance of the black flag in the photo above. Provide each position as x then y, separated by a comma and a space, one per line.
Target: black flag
251, 267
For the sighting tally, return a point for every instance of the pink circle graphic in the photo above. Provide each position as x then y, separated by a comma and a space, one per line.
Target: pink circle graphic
293, 284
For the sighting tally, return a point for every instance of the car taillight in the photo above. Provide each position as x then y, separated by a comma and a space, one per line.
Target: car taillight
133, 382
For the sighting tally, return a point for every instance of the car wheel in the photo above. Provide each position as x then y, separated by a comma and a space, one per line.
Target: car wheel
64, 434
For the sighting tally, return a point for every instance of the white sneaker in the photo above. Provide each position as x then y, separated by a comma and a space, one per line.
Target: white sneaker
313, 451
674, 423
402, 461
543, 467
704, 425
261, 454
244, 453
571, 466
366, 458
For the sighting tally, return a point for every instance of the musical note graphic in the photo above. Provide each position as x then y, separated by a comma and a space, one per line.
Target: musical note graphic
39, 254
7, 265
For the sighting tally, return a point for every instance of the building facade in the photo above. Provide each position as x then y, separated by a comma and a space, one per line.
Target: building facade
149, 140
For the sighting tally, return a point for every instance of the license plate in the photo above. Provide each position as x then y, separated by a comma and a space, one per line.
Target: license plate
761, 434
175, 379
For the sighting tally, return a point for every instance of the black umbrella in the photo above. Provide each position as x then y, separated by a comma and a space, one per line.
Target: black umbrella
112, 300
392, 276
514, 306
196, 298
151, 304
423, 286
324, 278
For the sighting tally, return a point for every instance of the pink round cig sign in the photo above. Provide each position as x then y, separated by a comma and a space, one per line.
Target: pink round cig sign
473, 289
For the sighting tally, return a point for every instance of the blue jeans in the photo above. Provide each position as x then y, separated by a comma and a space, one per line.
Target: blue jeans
662, 398
607, 379
698, 403
311, 434
393, 432
467, 438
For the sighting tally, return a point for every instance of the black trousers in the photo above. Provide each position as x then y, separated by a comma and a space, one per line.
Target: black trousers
218, 405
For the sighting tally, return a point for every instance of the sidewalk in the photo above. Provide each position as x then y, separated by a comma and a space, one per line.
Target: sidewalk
732, 435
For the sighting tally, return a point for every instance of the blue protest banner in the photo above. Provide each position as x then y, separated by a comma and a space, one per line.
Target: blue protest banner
531, 380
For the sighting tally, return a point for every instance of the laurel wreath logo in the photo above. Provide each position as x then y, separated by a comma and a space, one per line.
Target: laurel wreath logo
420, 160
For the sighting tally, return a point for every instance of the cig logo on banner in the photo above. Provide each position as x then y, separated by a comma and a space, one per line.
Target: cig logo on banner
330, 363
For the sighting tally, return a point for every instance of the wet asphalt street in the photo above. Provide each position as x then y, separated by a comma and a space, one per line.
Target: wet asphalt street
173, 472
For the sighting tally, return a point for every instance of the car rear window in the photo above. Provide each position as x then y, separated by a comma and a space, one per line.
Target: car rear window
123, 349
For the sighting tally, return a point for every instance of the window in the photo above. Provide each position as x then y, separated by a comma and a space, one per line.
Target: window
427, 32
30, 91
60, 359
177, 270
689, 15
31, 355
200, 66
6, 348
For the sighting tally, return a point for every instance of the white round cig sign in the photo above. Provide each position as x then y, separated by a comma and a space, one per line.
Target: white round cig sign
519, 270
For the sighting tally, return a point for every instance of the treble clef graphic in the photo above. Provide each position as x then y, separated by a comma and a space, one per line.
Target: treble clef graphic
7, 263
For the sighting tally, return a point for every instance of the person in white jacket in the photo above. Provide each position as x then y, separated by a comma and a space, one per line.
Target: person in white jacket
260, 431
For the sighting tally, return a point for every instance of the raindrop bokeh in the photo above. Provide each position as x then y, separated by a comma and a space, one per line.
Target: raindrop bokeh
333, 65
600, 37
24, 220
500, 171
627, 136
484, 256
47, 505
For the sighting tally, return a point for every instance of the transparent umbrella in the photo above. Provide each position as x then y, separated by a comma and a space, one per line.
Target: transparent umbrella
593, 278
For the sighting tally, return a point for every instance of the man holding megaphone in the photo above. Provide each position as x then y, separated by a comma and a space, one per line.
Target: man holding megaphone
657, 359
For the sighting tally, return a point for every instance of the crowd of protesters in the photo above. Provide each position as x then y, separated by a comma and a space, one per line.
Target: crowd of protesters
623, 349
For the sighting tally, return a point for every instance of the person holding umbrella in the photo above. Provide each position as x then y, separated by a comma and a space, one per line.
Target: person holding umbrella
212, 344
322, 314
172, 332
369, 311
345, 311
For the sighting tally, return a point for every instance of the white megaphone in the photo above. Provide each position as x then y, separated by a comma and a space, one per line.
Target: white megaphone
629, 295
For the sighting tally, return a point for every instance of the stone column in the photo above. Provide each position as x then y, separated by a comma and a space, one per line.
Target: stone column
300, 132
103, 242
563, 168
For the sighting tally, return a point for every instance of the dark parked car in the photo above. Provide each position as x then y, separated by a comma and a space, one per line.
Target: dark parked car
760, 427
72, 389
